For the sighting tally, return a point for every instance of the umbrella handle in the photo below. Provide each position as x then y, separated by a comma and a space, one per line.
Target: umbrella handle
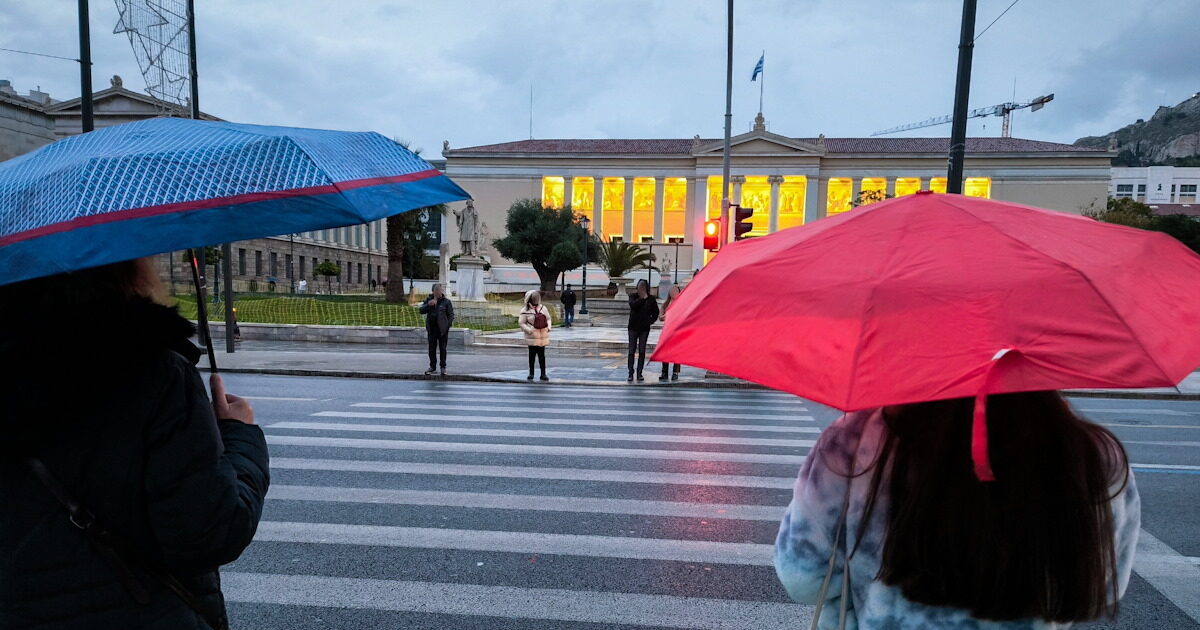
202, 312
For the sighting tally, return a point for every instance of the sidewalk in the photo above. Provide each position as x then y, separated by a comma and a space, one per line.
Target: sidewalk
578, 366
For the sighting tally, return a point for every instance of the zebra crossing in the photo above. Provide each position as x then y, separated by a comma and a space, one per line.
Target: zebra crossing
462, 505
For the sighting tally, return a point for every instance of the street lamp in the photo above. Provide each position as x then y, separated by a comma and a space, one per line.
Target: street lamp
585, 223
676, 281
292, 261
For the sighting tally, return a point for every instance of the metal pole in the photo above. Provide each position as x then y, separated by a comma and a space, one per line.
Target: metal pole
650, 268
584, 311
676, 280
728, 128
962, 89
292, 261
85, 68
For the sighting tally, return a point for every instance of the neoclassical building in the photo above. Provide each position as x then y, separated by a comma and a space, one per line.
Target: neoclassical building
656, 191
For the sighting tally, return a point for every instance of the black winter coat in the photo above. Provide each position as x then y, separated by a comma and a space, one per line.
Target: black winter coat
118, 412
567, 298
643, 312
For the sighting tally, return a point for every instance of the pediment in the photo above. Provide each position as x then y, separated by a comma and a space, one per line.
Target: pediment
760, 143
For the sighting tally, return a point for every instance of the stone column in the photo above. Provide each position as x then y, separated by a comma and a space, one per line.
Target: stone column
628, 231
813, 207
695, 214
568, 188
597, 205
855, 188
775, 181
659, 192
737, 181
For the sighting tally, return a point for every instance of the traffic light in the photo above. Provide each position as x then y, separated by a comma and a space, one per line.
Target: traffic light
741, 222
712, 235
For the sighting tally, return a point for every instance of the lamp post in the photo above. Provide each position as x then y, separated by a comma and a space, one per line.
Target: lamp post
676, 280
585, 223
650, 267
292, 260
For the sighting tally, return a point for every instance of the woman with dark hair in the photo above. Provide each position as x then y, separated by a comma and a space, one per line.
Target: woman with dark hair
887, 509
124, 487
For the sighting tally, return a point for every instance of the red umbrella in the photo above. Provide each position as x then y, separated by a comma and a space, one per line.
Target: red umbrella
931, 296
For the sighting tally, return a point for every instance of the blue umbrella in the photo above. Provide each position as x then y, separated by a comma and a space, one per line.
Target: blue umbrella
167, 184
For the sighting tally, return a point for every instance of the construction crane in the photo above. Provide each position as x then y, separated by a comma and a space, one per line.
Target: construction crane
1003, 110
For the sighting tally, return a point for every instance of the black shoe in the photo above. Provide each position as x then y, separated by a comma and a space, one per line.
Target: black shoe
675, 376
530, 377
663, 376
443, 371
544, 378
430, 372
641, 378
630, 379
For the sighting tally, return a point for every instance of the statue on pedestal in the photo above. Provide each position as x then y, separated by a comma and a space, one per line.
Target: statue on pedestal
468, 229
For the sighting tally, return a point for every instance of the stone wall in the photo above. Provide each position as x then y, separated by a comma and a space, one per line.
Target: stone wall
399, 335
23, 129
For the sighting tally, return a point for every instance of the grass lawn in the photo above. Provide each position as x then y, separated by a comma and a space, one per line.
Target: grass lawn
333, 310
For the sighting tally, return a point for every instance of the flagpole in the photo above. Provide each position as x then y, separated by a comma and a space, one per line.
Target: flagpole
762, 80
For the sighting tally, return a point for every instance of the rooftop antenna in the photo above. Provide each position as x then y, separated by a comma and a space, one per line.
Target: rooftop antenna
158, 33
531, 111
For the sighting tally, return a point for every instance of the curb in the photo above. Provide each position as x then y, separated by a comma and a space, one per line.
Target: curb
475, 378
705, 384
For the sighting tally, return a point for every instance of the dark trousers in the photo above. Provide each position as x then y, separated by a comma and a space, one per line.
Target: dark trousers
437, 342
667, 369
540, 353
569, 315
637, 346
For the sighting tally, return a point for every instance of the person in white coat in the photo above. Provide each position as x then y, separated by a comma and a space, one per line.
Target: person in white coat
535, 323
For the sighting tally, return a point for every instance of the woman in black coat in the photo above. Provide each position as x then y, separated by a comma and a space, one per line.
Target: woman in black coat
100, 386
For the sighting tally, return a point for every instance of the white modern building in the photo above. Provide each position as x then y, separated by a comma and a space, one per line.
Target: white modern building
1156, 184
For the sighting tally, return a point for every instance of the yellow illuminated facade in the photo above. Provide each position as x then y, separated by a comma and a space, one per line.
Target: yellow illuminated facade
613, 208
756, 193
675, 209
872, 189
791, 201
937, 184
643, 210
714, 197
907, 185
582, 189
837, 197
552, 192
978, 187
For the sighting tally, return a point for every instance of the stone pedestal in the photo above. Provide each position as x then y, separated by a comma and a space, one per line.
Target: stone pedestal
470, 278
664, 285
444, 266
622, 288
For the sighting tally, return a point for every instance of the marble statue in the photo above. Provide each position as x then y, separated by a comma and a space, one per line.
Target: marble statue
468, 229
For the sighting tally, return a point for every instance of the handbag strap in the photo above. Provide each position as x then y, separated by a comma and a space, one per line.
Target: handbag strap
116, 551
837, 545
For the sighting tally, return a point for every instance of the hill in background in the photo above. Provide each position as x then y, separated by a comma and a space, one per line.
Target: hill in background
1170, 138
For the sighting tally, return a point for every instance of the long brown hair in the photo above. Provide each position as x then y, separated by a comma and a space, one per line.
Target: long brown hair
77, 291
1038, 542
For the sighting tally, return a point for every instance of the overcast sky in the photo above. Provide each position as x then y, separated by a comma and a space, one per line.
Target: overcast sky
461, 70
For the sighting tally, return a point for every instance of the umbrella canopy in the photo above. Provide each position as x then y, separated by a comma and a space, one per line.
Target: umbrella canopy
932, 296
167, 184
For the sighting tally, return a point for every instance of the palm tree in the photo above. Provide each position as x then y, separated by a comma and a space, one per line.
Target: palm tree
619, 258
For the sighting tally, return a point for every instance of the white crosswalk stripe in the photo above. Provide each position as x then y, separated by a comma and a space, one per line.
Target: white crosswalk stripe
508, 480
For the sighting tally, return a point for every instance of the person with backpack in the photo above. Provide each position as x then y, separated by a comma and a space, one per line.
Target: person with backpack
643, 312
889, 526
568, 301
535, 323
123, 497
672, 295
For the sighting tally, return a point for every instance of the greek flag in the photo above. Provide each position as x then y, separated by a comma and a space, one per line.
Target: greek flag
758, 68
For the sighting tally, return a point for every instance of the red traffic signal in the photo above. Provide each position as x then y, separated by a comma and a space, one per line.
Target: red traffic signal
712, 235
741, 222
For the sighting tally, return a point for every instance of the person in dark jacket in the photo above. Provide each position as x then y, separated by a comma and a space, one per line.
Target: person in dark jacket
439, 315
643, 312
568, 301
672, 295
121, 420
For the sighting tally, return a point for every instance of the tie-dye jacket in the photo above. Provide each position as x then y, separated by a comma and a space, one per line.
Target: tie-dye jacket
806, 536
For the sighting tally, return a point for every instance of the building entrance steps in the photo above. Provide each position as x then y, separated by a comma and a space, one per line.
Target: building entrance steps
598, 338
